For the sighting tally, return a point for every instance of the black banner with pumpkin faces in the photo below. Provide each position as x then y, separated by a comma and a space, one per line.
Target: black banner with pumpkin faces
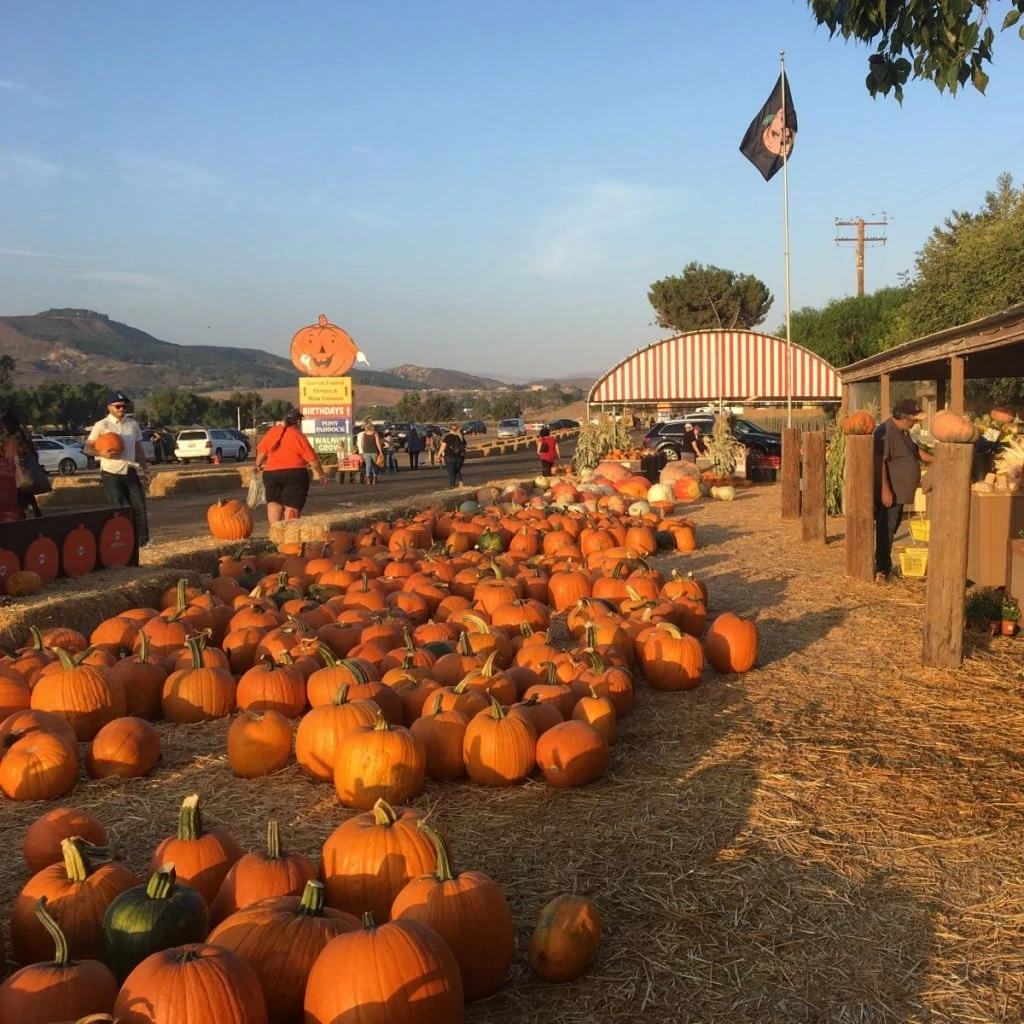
69, 543
772, 133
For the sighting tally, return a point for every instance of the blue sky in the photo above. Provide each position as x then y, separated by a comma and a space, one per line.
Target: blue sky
490, 187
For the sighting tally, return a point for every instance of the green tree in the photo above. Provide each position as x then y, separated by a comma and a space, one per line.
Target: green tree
410, 408
709, 298
970, 267
438, 407
852, 328
7, 367
945, 42
506, 405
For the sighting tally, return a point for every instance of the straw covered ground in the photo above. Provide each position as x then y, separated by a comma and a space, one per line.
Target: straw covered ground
834, 837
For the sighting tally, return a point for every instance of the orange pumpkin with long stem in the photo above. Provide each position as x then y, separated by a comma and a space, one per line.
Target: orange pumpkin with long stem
60, 987
367, 860
320, 731
469, 911
289, 930
78, 891
381, 761
262, 875
201, 856
498, 750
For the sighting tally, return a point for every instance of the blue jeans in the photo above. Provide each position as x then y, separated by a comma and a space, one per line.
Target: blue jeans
454, 468
370, 462
126, 489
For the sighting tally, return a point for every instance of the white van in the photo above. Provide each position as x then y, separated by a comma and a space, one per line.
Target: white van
512, 428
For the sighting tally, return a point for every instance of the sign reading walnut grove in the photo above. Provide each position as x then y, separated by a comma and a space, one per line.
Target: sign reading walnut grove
326, 407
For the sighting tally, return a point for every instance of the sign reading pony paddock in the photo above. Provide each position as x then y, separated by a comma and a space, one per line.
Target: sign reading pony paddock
324, 353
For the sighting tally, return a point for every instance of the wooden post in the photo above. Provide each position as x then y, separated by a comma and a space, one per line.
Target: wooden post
790, 473
844, 404
940, 394
947, 555
859, 506
813, 511
956, 384
885, 401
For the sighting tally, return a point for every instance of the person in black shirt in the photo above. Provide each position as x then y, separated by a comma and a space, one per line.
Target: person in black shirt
453, 453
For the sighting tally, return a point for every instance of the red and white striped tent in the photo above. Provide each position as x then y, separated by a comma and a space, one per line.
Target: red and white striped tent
731, 366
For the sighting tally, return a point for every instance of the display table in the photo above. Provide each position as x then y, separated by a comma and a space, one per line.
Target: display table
996, 519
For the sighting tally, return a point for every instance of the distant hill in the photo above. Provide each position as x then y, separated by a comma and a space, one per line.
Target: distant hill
432, 377
77, 345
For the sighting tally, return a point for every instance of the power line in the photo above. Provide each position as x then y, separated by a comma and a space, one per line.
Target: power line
964, 177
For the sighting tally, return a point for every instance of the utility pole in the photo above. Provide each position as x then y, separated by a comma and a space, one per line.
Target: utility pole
860, 239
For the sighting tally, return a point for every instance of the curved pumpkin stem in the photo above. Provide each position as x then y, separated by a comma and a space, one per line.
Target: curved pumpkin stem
77, 865
273, 841
38, 644
497, 711
384, 814
67, 662
464, 647
190, 819
161, 883
328, 655
62, 954
182, 603
369, 921
435, 707
312, 902
341, 697
444, 872
487, 668
382, 724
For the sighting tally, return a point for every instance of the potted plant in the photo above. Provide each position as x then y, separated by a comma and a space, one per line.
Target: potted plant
1011, 616
983, 611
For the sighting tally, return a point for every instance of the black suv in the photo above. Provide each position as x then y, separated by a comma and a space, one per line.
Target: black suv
564, 424
668, 437
397, 432
474, 427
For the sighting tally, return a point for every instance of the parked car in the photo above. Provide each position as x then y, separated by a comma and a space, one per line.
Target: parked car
536, 426
474, 427
58, 457
564, 424
515, 427
668, 437
206, 443
398, 432
242, 436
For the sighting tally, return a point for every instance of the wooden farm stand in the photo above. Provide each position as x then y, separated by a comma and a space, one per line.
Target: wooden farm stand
985, 348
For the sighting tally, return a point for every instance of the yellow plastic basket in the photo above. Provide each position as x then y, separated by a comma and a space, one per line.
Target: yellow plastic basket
920, 530
914, 562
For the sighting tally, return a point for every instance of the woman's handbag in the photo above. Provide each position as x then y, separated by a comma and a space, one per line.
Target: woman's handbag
29, 475
379, 461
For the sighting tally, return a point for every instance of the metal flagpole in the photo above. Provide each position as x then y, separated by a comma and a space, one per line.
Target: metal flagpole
785, 207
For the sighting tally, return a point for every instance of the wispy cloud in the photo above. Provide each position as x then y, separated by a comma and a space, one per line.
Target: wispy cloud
32, 254
124, 278
32, 170
364, 216
27, 92
150, 173
596, 222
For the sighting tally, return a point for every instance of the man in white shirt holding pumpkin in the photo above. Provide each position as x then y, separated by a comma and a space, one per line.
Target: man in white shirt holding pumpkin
122, 472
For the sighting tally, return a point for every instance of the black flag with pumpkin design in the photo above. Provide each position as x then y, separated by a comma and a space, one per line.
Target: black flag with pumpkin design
772, 133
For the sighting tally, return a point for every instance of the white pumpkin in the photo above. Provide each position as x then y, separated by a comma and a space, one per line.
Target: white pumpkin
659, 492
638, 508
723, 493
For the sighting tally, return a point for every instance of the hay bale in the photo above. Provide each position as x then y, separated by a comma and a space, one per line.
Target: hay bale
84, 601
176, 482
73, 491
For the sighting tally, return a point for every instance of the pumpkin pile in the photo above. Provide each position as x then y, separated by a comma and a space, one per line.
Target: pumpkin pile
486, 643
215, 934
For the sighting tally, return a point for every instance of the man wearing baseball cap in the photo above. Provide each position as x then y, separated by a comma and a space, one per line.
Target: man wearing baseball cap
897, 476
123, 477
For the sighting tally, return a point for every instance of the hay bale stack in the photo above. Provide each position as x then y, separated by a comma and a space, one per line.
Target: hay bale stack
83, 602
74, 492
175, 482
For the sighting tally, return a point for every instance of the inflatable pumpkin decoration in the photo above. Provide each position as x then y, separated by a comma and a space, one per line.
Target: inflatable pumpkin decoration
323, 350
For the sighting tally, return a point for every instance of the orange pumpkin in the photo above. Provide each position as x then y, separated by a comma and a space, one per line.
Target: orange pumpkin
323, 350
572, 753
128, 747
565, 939
259, 743
731, 644
109, 446
41, 845
229, 519
859, 422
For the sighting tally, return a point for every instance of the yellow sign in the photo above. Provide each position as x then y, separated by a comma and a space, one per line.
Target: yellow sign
325, 391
